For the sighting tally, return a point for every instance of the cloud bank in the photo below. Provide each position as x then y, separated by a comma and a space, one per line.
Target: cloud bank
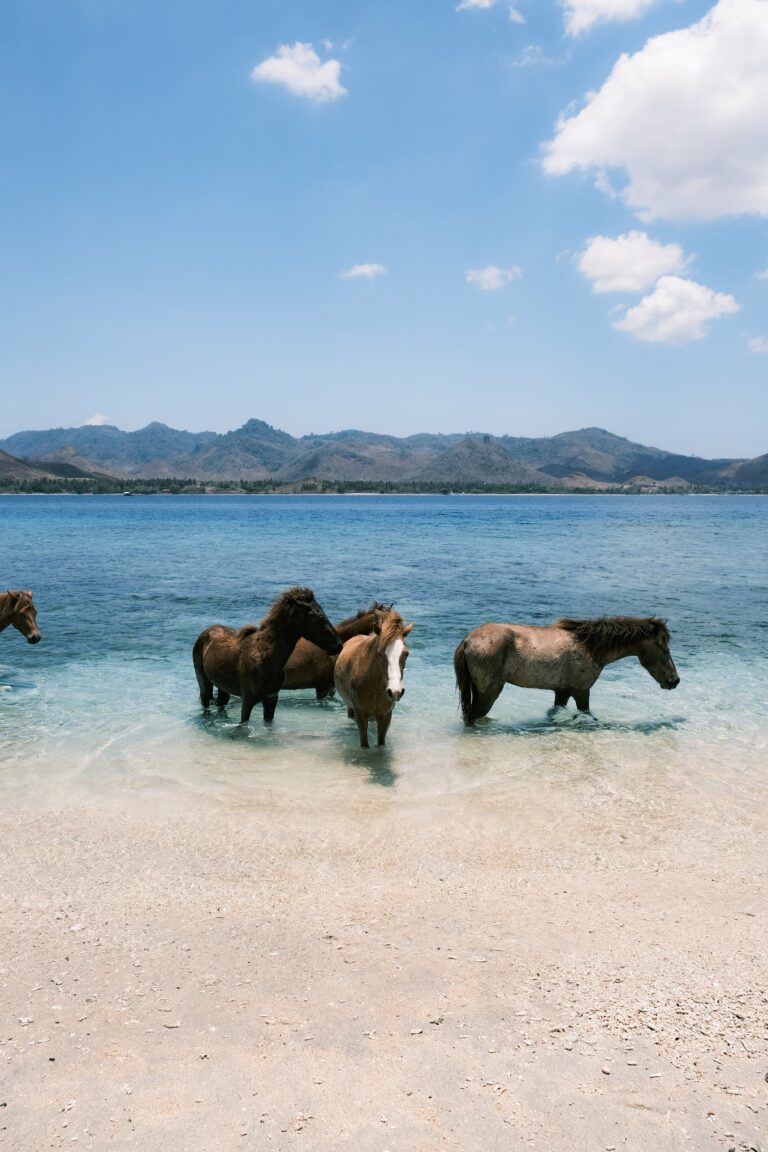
363, 272
491, 278
581, 15
684, 119
676, 312
628, 263
298, 68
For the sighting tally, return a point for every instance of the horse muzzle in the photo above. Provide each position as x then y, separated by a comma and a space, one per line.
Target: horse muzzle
668, 685
397, 695
34, 639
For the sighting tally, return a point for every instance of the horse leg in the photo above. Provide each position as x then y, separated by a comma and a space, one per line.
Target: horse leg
325, 692
485, 700
351, 713
247, 707
562, 696
206, 687
362, 727
222, 698
581, 699
382, 727
269, 705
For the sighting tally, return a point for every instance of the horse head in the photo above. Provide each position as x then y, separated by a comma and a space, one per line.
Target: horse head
654, 655
315, 625
23, 615
392, 650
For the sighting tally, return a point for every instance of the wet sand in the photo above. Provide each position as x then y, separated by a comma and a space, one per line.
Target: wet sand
187, 972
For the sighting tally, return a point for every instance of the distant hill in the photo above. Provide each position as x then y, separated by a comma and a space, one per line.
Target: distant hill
751, 473
481, 459
602, 456
28, 471
121, 453
587, 458
13, 469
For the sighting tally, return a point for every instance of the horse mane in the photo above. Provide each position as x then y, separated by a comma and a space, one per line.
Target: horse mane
18, 596
376, 606
602, 636
295, 595
391, 625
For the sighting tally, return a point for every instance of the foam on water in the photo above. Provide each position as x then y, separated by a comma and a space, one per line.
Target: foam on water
108, 700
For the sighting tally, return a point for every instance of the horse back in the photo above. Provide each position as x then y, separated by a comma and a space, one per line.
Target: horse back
308, 667
529, 655
217, 654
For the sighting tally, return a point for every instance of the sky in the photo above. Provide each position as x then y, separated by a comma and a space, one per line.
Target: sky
436, 216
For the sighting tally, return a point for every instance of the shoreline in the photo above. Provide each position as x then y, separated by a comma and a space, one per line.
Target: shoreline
386, 495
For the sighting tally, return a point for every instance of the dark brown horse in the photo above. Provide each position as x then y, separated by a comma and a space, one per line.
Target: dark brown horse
248, 662
566, 657
16, 608
310, 667
369, 674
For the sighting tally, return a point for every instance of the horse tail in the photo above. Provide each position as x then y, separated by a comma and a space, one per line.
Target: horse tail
464, 682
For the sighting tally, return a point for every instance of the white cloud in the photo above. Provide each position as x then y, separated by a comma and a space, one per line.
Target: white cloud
676, 312
515, 15
491, 278
467, 4
758, 344
363, 272
532, 56
684, 118
580, 15
98, 419
628, 263
762, 275
299, 69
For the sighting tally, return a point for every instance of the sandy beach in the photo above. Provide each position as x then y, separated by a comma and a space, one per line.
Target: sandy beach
186, 972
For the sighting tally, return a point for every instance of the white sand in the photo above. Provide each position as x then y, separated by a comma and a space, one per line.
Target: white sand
179, 973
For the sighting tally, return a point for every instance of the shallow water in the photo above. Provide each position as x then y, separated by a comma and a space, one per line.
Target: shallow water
124, 586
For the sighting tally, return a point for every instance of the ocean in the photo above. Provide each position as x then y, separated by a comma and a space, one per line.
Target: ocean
108, 701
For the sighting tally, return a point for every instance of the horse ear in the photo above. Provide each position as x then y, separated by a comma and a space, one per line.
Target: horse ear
29, 593
378, 620
409, 628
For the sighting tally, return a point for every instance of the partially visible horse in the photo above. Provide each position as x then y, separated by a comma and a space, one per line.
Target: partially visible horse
310, 667
369, 674
16, 608
248, 662
565, 657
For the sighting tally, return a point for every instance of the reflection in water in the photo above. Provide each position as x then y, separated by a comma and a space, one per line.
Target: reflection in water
564, 719
375, 763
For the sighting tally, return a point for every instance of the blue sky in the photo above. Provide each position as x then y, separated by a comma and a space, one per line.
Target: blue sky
186, 188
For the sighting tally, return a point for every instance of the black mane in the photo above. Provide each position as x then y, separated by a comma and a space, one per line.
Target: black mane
602, 636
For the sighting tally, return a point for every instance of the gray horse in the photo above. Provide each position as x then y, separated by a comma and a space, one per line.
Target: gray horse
565, 657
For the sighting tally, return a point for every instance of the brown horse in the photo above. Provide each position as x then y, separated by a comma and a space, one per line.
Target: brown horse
249, 662
565, 657
310, 667
16, 608
369, 674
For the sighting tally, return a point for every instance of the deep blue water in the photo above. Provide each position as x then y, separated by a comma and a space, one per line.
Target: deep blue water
123, 587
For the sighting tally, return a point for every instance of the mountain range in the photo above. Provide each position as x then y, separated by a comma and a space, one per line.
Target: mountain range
588, 458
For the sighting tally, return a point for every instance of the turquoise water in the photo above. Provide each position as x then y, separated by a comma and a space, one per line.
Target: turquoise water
123, 587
